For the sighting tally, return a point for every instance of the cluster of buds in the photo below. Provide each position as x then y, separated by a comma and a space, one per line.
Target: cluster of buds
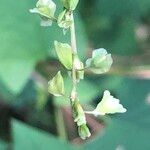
46, 9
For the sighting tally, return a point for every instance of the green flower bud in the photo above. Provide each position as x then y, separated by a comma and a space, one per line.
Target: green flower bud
64, 20
70, 4
83, 131
78, 113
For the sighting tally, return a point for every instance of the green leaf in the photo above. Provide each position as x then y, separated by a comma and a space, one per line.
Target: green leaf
56, 85
61, 16
100, 62
64, 54
46, 9
70, 4
26, 137
21, 46
121, 134
10, 76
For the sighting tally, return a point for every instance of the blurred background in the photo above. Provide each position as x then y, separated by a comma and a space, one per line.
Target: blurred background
30, 118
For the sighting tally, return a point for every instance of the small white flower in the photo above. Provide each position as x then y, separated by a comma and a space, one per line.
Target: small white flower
108, 105
100, 62
46, 9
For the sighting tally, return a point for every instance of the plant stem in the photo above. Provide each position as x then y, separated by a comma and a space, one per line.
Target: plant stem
60, 124
74, 53
73, 35
89, 112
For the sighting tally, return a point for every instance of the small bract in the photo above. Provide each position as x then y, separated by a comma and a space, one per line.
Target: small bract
64, 53
56, 85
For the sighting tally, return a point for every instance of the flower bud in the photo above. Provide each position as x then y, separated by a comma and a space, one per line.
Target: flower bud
78, 113
64, 20
83, 131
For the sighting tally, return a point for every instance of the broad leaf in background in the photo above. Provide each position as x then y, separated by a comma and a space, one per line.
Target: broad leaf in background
144, 6
26, 137
3, 145
123, 135
20, 41
112, 24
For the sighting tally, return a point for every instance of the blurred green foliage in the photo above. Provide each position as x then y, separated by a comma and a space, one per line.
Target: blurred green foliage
29, 138
28, 61
112, 24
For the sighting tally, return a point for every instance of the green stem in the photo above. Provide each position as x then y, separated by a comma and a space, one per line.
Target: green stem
89, 112
77, 110
74, 53
73, 35
60, 124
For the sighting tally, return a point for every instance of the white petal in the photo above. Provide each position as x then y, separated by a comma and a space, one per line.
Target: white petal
109, 105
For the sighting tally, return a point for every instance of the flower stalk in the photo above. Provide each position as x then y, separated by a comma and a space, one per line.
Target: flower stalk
77, 110
74, 53
99, 63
